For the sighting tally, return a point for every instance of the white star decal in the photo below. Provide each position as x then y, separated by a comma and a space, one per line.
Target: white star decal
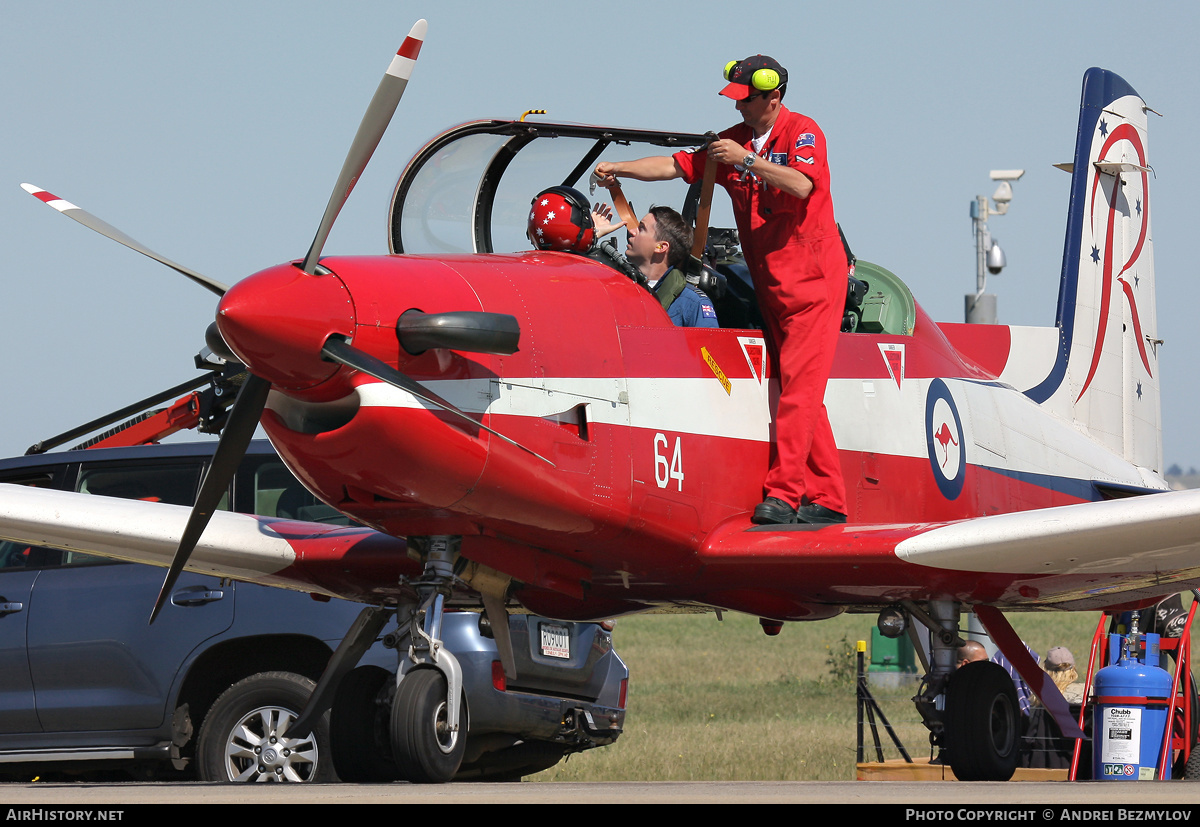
545, 201
550, 215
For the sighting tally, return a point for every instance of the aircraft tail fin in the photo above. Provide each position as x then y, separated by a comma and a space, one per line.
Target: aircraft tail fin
1106, 375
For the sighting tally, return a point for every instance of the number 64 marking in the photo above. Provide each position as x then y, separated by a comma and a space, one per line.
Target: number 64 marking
664, 472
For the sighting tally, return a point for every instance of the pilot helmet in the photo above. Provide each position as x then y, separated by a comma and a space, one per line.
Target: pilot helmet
560, 218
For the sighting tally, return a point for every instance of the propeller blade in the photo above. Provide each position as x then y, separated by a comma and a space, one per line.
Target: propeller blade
337, 350
243, 419
105, 229
370, 131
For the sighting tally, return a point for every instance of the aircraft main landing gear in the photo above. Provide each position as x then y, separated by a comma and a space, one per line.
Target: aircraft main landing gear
972, 712
982, 723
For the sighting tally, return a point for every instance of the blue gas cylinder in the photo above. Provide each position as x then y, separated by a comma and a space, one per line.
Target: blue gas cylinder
1130, 715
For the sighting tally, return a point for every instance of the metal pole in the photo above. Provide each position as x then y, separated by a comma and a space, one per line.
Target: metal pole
980, 306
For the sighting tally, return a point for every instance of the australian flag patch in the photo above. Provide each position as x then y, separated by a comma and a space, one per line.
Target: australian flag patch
807, 139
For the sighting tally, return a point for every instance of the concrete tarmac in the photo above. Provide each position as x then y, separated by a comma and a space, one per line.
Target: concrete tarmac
1049, 799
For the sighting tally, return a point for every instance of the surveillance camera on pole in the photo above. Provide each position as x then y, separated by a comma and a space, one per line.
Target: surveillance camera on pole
989, 258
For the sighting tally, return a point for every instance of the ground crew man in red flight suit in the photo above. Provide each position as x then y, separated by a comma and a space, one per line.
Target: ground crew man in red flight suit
773, 165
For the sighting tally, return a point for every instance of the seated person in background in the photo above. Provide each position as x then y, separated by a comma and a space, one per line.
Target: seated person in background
1025, 696
660, 244
1044, 745
560, 219
1060, 666
970, 652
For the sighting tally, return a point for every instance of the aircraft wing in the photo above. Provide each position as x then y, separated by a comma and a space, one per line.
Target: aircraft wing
351, 562
1077, 557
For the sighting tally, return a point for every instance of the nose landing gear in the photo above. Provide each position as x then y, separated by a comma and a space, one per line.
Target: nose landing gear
428, 721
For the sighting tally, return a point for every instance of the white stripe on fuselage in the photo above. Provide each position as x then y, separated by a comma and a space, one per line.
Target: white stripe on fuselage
1003, 428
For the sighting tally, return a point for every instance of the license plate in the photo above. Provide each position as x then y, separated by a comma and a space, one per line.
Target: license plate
556, 640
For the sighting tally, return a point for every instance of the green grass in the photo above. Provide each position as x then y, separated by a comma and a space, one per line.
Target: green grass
719, 700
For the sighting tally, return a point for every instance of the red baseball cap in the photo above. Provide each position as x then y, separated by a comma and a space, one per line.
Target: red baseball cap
741, 75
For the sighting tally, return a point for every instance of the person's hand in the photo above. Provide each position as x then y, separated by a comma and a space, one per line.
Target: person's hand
602, 218
606, 173
725, 151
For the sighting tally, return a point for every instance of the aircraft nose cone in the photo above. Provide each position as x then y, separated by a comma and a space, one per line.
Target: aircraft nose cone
277, 321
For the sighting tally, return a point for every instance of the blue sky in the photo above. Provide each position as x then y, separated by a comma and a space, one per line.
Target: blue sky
213, 133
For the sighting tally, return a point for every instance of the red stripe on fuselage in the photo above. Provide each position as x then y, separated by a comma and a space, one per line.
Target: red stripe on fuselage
617, 329
986, 345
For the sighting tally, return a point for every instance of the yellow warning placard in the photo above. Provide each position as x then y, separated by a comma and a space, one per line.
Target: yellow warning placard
717, 372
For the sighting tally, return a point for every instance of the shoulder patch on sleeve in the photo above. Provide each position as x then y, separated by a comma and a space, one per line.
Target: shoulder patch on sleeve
807, 139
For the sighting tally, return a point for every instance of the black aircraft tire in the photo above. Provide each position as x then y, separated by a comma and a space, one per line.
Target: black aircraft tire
1191, 770
240, 741
1181, 768
359, 728
983, 723
425, 749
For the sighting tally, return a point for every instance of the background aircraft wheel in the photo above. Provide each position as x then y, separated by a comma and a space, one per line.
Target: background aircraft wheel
1191, 770
358, 728
1180, 768
244, 735
425, 748
983, 723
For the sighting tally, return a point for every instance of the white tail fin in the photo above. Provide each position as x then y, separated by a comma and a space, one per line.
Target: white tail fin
1105, 375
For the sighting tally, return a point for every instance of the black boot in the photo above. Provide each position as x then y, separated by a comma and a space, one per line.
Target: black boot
818, 515
773, 511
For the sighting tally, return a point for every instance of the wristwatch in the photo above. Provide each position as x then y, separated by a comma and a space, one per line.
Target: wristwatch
749, 160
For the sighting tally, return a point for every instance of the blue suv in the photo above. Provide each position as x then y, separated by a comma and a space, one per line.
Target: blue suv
208, 691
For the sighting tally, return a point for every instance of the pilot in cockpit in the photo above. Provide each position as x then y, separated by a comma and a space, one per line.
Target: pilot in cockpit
560, 219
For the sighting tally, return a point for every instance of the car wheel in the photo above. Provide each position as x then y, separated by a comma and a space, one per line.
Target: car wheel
358, 728
427, 750
244, 736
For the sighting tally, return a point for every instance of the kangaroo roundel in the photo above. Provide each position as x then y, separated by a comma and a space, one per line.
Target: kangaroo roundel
944, 436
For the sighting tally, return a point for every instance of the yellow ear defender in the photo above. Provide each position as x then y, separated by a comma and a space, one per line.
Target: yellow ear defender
764, 80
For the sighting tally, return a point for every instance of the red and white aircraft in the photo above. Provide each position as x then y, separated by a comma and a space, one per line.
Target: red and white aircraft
534, 425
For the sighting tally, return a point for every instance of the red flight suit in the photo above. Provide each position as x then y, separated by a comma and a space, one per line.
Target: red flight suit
799, 267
